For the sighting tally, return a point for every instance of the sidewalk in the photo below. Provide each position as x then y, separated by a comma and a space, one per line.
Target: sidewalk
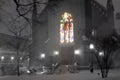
82, 75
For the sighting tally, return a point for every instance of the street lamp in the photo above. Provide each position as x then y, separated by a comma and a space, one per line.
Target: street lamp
2, 57
55, 56
101, 53
56, 53
12, 58
77, 52
92, 46
21, 58
42, 56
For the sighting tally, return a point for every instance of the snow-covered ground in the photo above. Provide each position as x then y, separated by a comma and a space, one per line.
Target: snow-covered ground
83, 75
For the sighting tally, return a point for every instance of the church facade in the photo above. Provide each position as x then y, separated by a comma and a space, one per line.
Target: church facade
99, 19
67, 22
64, 30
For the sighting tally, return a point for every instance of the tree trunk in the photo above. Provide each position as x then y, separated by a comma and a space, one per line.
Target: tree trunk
107, 70
18, 71
34, 22
104, 73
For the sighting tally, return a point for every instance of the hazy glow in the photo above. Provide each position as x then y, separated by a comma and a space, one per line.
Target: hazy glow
56, 53
42, 56
12, 58
101, 53
77, 52
20, 58
28, 71
66, 28
2, 57
91, 46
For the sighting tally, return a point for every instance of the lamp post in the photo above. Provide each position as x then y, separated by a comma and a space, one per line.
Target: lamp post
56, 54
2, 58
91, 47
55, 59
42, 57
2, 64
77, 53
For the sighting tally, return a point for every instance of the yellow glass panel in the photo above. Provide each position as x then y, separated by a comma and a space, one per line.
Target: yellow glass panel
66, 28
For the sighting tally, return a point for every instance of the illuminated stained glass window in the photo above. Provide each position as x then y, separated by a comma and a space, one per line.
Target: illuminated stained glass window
66, 28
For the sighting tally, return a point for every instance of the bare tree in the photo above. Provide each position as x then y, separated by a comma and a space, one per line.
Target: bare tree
20, 41
104, 52
33, 7
26, 7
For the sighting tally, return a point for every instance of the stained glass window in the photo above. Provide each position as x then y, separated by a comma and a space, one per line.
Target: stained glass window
66, 28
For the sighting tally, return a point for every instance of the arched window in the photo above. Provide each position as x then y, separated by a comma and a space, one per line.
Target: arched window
66, 28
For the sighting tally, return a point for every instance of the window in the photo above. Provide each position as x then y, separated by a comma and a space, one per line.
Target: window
66, 28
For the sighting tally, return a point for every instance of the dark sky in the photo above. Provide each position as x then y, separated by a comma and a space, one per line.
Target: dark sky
10, 11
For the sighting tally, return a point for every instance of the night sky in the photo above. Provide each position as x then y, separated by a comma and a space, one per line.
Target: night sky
10, 12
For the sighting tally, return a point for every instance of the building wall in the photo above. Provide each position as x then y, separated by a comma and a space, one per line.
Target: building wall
100, 20
76, 9
39, 36
87, 14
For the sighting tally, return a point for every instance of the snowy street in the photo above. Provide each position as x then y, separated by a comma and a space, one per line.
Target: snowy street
83, 75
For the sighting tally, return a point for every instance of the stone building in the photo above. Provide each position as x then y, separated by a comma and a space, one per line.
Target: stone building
99, 19
89, 19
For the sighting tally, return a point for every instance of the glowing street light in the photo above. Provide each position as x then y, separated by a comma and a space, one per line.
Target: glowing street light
28, 71
12, 58
77, 52
2, 57
91, 46
42, 56
56, 53
101, 53
21, 58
